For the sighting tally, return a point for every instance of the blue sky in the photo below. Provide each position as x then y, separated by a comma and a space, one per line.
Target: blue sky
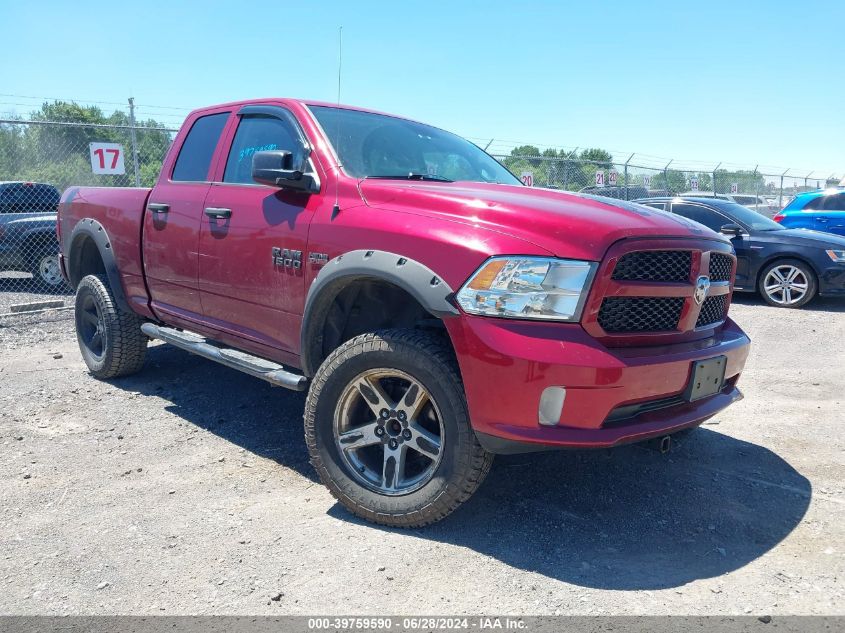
744, 83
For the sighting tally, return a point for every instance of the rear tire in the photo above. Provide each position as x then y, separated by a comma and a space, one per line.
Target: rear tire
388, 431
110, 339
46, 271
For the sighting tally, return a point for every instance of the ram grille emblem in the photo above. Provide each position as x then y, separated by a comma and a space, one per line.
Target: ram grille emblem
702, 287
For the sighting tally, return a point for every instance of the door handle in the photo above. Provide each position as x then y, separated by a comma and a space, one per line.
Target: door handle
217, 212
157, 207
821, 219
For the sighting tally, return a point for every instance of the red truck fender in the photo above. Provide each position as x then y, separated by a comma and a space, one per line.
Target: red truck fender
75, 255
418, 280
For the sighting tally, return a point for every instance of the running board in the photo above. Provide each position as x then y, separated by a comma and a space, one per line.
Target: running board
253, 365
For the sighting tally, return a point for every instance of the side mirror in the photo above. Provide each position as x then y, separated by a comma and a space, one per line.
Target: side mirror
275, 168
734, 230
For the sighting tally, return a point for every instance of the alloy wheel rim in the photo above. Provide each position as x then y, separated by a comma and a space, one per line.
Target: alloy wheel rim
389, 431
92, 327
786, 284
48, 270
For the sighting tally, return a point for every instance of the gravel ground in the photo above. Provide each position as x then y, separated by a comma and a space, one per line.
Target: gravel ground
17, 288
186, 490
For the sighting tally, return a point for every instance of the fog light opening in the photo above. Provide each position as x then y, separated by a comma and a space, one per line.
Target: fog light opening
551, 405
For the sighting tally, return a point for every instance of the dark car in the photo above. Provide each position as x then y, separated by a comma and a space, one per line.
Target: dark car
787, 266
28, 230
620, 192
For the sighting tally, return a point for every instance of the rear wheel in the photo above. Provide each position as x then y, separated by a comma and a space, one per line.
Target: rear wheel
110, 339
388, 431
787, 283
45, 269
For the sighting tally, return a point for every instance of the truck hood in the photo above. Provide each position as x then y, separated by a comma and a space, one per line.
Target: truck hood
564, 224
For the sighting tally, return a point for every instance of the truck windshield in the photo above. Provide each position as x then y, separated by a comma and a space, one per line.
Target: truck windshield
372, 145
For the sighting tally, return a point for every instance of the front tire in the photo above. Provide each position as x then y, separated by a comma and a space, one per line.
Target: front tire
787, 283
110, 339
388, 431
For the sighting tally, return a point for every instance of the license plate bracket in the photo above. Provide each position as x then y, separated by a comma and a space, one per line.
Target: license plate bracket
707, 377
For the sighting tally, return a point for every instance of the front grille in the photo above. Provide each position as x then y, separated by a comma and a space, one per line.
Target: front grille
640, 314
713, 310
720, 267
654, 266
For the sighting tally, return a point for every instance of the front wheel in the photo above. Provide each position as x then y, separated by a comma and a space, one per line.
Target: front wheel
787, 283
110, 339
388, 431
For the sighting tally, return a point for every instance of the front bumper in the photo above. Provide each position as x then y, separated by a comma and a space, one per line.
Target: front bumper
832, 281
613, 395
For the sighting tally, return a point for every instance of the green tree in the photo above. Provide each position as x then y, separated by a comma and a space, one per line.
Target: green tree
59, 154
601, 157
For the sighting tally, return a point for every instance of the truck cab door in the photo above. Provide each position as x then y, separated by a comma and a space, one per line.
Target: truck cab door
253, 239
172, 219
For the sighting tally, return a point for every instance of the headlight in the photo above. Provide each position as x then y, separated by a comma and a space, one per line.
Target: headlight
837, 256
528, 288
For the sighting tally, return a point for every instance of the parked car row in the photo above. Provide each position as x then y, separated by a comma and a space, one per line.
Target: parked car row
755, 203
28, 231
788, 266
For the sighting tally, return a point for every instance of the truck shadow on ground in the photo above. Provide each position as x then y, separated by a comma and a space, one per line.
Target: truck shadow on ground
630, 518
625, 519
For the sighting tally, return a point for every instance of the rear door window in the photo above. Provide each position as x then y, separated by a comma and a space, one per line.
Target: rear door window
815, 203
834, 202
194, 158
709, 218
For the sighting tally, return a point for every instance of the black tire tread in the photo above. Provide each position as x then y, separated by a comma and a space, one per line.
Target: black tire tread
425, 348
128, 344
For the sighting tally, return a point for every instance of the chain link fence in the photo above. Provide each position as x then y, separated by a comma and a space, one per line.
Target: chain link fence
39, 160
764, 192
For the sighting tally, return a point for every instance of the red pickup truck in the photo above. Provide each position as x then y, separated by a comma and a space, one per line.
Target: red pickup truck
436, 310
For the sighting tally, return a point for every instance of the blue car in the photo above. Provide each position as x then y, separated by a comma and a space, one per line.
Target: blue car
816, 210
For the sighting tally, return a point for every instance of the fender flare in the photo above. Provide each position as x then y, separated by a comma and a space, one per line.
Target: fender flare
91, 228
415, 278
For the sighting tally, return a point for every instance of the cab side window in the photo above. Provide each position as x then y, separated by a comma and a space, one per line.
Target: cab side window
195, 155
259, 133
709, 218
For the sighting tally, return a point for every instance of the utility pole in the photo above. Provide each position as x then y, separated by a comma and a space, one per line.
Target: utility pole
134, 141
780, 198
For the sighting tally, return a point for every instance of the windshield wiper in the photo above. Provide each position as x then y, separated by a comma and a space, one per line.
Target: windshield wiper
412, 176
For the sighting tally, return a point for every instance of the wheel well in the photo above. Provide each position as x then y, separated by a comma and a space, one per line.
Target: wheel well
779, 258
85, 259
349, 308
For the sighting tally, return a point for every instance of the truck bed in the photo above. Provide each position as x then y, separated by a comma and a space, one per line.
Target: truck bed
121, 210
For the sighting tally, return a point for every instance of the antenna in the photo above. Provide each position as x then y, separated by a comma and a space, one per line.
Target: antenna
336, 207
